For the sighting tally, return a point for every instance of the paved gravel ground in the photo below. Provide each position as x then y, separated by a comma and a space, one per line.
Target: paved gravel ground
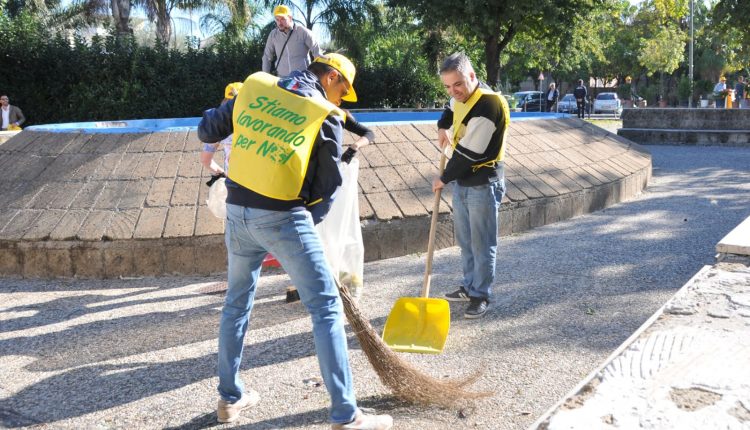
141, 353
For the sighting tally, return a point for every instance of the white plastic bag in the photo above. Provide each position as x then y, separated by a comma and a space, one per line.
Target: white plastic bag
217, 198
341, 232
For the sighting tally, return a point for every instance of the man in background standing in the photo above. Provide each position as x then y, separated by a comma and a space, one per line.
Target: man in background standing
12, 117
289, 47
739, 92
580, 94
718, 92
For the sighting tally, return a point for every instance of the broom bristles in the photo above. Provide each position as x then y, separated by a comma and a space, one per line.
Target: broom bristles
404, 380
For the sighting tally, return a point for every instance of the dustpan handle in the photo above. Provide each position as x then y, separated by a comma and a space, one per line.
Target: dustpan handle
433, 227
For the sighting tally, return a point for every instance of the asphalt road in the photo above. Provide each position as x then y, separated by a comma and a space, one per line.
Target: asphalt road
140, 353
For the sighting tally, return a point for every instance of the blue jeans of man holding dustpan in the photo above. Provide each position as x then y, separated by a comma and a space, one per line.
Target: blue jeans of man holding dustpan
475, 222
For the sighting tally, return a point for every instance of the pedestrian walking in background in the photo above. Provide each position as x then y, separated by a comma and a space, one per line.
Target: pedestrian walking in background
551, 96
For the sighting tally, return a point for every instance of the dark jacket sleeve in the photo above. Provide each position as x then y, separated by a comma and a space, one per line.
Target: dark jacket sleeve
216, 123
327, 177
358, 128
446, 119
20, 119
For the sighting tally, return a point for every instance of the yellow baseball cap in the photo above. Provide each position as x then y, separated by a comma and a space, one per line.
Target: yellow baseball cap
345, 67
282, 10
232, 90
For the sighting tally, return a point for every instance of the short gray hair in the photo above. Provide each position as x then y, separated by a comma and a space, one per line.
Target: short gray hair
457, 62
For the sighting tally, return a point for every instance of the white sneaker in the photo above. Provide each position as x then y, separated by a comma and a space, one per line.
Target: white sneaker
366, 422
230, 412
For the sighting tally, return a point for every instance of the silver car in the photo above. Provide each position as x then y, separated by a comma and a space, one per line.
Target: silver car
567, 104
607, 102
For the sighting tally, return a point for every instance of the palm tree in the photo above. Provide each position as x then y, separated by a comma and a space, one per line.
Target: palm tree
57, 17
121, 16
232, 18
160, 11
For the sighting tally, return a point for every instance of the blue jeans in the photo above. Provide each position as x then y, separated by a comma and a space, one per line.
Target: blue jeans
475, 222
291, 237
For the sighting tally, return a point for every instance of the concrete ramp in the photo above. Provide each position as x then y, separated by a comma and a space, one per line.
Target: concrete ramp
133, 204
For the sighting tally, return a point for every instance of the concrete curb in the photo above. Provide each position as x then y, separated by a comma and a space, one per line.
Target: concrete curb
120, 205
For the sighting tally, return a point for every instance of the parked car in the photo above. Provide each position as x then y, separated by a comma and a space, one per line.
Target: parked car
567, 104
530, 101
608, 102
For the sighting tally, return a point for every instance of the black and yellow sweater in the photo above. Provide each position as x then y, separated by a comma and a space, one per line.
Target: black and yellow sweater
482, 143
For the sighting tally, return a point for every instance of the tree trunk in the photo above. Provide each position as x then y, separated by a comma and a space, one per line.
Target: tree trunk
121, 16
492, 59
493, 46
433, 50
163, 25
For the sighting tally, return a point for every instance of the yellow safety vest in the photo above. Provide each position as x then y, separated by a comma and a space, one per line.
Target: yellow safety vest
274, 133
460, 110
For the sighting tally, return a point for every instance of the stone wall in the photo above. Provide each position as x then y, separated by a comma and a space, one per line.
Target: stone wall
133, 204
721, 127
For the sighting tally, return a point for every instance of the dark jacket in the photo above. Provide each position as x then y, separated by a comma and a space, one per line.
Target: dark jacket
15, 116
323, 177
468, 152
580, 92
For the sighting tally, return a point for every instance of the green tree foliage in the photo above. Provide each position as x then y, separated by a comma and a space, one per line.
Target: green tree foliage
732, 19
663, 53
395, 71
54, 80
668, 11
232, 20
620, 37
497, 22
57, 79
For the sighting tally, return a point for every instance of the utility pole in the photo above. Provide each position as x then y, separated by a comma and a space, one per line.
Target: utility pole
692, 12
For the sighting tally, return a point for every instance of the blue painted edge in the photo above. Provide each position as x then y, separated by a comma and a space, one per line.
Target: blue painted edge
187, 124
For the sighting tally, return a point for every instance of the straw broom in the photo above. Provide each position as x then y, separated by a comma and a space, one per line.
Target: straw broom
404, 380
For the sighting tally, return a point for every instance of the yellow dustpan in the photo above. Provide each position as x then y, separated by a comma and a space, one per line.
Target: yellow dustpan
420, 324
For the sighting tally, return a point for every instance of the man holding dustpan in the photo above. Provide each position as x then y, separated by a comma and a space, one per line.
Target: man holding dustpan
475, 125
283, 169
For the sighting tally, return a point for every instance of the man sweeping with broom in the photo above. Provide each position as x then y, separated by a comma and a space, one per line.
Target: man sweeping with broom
283, 172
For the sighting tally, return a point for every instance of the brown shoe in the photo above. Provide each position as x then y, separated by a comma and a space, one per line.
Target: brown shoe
230, 412
366, 422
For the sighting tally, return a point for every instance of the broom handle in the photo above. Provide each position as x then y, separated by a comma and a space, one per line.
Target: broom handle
433, 227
